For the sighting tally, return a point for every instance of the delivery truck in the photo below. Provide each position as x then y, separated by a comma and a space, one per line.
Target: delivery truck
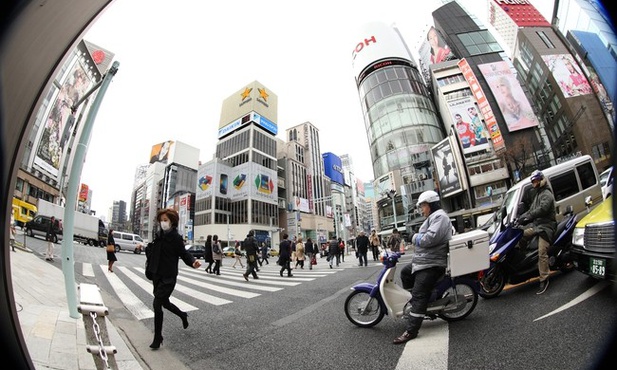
87, 229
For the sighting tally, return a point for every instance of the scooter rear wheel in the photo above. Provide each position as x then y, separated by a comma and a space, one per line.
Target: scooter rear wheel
362, 310
466, 306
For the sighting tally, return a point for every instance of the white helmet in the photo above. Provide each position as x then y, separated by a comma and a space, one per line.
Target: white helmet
428, 196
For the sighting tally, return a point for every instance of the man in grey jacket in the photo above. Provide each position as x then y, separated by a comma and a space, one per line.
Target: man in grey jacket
429, 261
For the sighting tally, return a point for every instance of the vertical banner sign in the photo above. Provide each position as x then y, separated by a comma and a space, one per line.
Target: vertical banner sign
485, 108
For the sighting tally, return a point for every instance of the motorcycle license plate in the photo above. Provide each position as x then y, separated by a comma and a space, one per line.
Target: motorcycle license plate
597, 267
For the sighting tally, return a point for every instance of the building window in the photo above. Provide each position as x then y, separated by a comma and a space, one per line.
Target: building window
479, 42
545, 39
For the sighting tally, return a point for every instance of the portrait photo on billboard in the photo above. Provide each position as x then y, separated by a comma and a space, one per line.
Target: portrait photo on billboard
160, 152
513, 103
449, 182
470, 128
568, 75
432, 51
57, 126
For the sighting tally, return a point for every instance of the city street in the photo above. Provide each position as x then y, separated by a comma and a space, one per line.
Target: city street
279, 322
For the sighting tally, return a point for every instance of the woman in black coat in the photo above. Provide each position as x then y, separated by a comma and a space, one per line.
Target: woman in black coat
208, 254
111, 256
285, 255
162, 268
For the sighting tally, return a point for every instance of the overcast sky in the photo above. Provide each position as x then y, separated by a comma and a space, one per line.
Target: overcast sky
180, 59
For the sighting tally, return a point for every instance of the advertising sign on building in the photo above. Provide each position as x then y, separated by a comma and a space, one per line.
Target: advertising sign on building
83, 193
301, 204
377, 41
513, 103
568, 75
432, 51
447, 170
160, 152
254, 97
468, 125
57, 126
333, 168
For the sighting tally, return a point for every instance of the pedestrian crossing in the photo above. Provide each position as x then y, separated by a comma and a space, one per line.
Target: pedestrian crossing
202, 288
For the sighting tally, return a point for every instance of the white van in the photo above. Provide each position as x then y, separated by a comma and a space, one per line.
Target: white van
128, 242
571, 182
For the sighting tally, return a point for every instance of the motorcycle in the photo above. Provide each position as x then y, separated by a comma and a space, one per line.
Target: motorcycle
511, 265
452, 299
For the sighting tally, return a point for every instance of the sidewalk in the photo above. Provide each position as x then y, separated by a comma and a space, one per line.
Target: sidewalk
55, 340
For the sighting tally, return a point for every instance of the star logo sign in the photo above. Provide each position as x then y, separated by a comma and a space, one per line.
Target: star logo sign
263, 94
246, 93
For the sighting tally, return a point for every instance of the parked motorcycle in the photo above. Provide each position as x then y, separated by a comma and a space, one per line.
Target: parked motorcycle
511, 265
453, 298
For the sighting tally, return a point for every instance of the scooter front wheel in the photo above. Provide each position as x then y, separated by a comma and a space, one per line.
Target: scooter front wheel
363, 310
465, 299
492, 284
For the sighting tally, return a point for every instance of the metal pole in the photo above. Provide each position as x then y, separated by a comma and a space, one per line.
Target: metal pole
68, 263
394, 209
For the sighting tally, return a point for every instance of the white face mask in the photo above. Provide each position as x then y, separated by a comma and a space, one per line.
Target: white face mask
165, 225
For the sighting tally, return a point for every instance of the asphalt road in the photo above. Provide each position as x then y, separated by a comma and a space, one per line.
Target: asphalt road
280, 323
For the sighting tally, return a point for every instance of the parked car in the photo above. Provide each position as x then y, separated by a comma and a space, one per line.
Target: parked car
273, 252
39, 225
197, 250
606, 181
593, 243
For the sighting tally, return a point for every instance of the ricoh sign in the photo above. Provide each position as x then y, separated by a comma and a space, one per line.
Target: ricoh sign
377, 41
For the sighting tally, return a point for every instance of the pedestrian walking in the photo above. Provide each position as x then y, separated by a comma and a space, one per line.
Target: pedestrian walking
111, 252
334, 252
250, 247
12, 233
374, 239
309, 251
300, 253
341, 245
237, 255
217, 254
285, 255
362, 248
208, 255
264, 253
162, 268
50, 236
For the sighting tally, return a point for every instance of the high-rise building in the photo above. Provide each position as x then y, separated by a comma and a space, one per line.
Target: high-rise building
400, 120
237, 191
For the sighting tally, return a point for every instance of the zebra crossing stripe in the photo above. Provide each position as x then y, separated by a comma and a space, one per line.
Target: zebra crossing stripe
219, 281
191, 292
130, 300
147, 286
217, 288
87, 269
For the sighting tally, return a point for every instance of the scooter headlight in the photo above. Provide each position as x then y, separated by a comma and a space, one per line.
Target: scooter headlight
491, 247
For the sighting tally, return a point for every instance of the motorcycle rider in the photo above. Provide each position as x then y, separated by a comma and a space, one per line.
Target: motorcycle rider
542, 222
429, 261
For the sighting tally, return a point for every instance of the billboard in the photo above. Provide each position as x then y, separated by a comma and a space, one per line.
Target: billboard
253, 97
160, 152
333, 168
237, 183
432, 51
470, 128
377, 41
513, 103
57, 127
83, 193
447, 172
568, 75
301, 204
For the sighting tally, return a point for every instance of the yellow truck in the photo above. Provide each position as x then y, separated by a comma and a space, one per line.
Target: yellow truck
23, 211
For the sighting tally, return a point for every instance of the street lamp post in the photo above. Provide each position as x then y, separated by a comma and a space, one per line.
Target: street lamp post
392, 195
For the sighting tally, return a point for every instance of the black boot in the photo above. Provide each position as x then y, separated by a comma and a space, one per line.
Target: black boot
156, 343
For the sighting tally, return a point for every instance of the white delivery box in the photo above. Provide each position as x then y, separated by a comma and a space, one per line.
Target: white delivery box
468, 253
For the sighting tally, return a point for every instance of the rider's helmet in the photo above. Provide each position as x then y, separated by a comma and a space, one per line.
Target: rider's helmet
537, 175
429, 197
